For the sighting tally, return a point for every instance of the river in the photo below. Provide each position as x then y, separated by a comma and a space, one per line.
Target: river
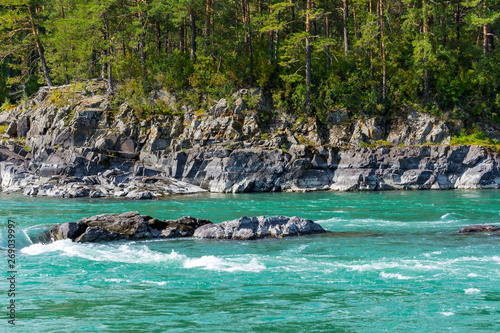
393, 262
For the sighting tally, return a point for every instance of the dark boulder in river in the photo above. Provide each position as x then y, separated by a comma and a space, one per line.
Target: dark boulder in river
479, 228
126, 226
132, 225
247, 228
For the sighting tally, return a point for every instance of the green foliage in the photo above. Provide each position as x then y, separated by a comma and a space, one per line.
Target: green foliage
474, 137
377, 144
147, 46
3, 128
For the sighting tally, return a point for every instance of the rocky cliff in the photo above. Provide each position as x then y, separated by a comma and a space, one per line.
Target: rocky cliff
74, 141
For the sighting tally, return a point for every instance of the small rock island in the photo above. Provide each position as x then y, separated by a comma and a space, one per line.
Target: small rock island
480, 228
133, 226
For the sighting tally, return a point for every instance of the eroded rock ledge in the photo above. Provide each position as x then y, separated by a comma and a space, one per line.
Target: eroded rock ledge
133, 226
89, 148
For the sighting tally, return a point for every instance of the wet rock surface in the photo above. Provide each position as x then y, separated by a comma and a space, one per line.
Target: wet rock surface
133, 226
480, 228
250, 228
126, 226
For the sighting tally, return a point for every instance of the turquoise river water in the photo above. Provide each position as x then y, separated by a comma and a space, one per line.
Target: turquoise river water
393, 262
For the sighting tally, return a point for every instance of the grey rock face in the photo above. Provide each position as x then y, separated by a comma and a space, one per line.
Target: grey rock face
183, 227
480, 228
68, 230
130, 225
247, 228
419, 128
82, 149
126, 226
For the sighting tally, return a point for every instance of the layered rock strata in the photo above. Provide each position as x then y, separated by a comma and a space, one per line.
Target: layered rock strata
85, 146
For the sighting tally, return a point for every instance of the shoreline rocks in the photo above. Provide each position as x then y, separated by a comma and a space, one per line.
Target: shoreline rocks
133, 226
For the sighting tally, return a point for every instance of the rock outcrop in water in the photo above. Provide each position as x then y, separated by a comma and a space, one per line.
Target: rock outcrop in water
126, 226
132, 225
249, 228
480, 228
85, 147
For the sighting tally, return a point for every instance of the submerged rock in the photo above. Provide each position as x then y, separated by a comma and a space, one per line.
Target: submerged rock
247, 228
479, 228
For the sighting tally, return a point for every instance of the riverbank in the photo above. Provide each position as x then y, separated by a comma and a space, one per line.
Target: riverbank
72, 141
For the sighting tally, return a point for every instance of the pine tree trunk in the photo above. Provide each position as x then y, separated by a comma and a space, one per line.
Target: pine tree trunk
141, 41
108, 53
346, 36
456, 18
244, 18
192, 21
208, 16
40, 50
103, 63
166, 34
382, 50
485, 31
181, 35
426, 71
250, 54
271, 44
249, 39
277, 39
158, 38
92, 64
371, 53
308, 59
143, 54
327, 47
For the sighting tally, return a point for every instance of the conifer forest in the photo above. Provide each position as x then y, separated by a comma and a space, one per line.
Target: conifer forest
311, 56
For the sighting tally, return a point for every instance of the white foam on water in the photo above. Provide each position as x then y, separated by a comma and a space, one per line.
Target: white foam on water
97, 252
134, 254
159, 283
299, 249
117, 280
395, 276
454, 266
472, 275
429, 255
447, 314
220, 264
330, 220
446, 215
371, 266
472, 291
